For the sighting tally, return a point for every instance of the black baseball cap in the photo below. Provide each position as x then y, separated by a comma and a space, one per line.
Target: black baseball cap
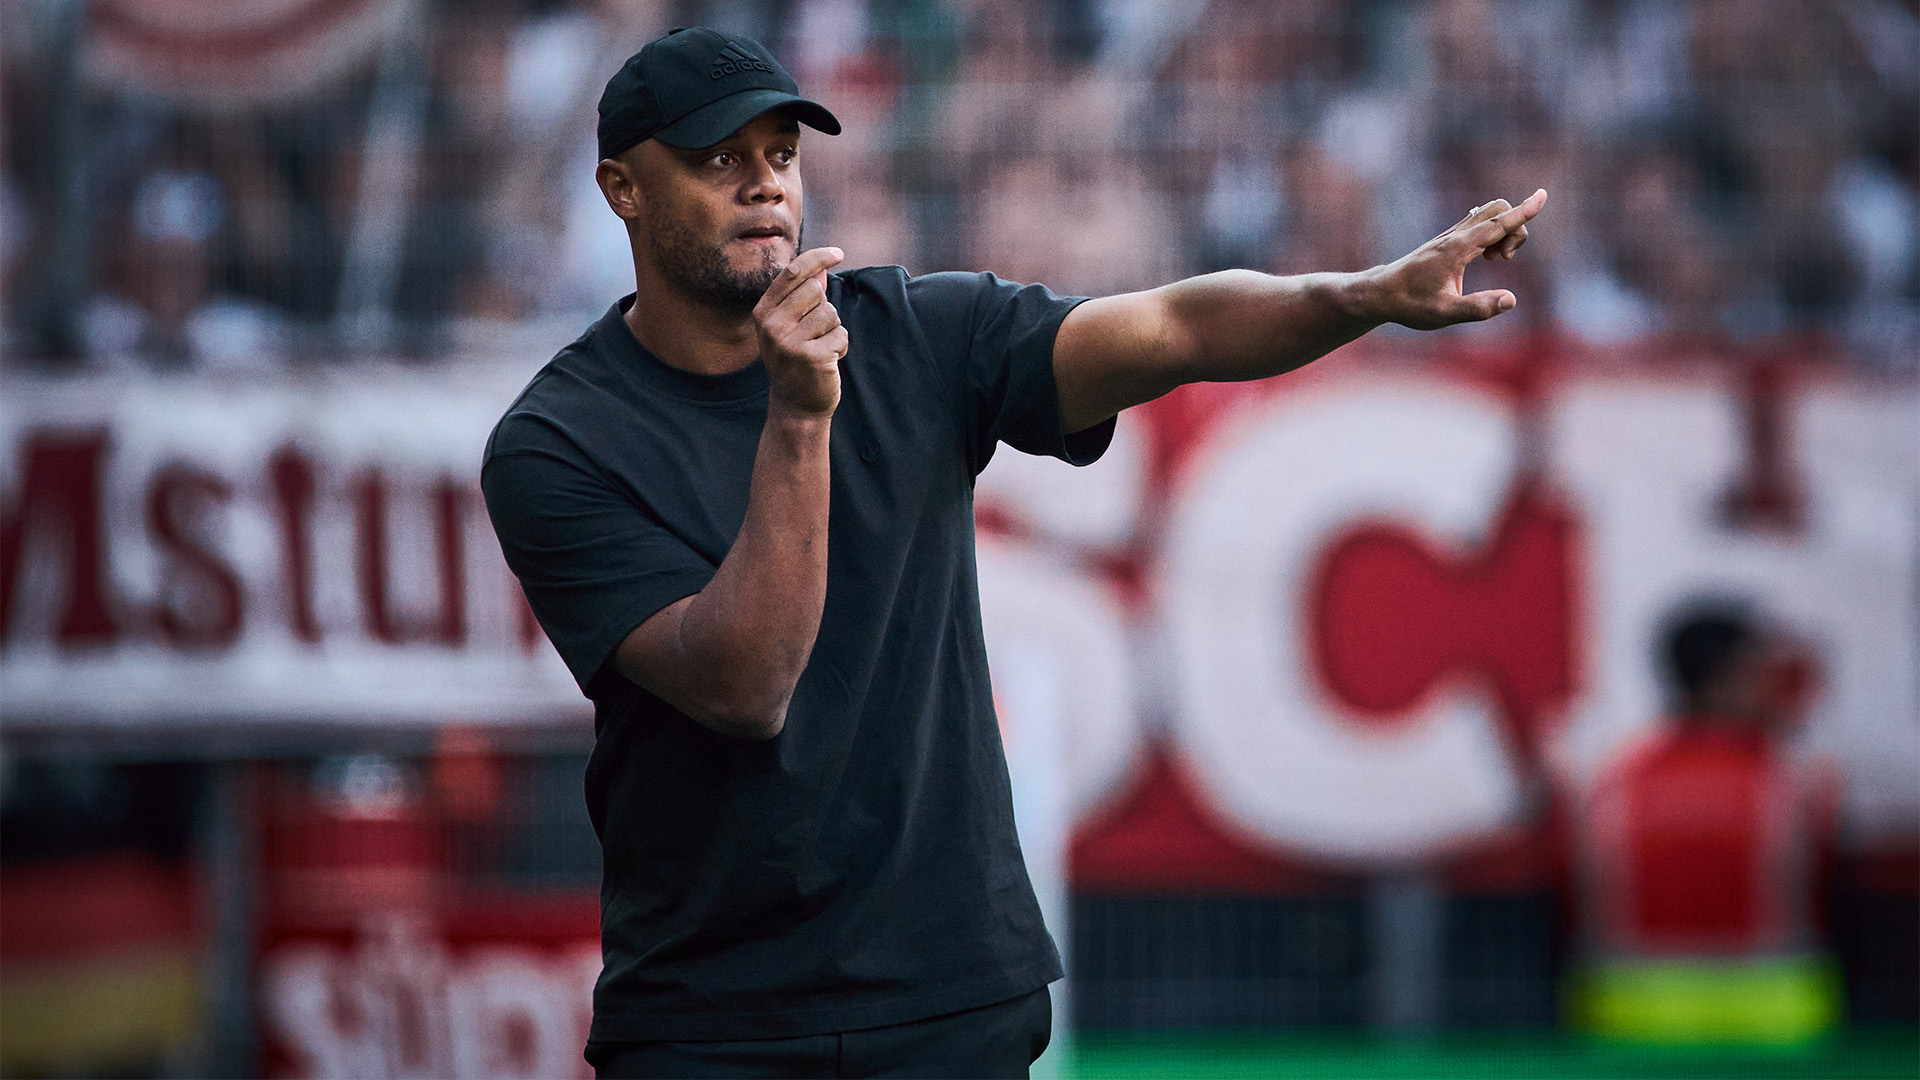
697, 86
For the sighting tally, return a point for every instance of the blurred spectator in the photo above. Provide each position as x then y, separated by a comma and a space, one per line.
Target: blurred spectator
1241, 210
823, 36
1778, 103
1879, 221
164, 307
1089, 227
852, 201
1654, 191
548, 250
1711, 174
1704, 851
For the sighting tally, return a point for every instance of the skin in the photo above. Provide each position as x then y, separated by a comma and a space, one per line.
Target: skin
1120, 351
1764, 687
709, 227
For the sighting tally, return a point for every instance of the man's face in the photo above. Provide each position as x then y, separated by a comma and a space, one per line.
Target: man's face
1771, 684
721, 222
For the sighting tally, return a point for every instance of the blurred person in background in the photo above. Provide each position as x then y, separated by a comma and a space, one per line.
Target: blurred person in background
546, 253
1773, 118
1681, 288
741, 507
165, 309
837, 48
1704, 852
1030, 225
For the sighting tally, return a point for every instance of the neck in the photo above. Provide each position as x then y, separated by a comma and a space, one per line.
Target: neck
688, 334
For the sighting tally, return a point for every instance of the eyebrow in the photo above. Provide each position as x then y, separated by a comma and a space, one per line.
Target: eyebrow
788, 126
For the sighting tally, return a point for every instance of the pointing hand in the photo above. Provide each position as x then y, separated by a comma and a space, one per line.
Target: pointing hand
1425, 288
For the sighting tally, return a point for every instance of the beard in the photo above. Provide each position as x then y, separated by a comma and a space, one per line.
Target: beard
703, 270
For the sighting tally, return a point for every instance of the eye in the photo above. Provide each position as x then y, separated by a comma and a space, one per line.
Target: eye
785, 155
723, 160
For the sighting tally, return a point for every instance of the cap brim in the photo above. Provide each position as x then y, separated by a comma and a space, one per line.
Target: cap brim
716, 120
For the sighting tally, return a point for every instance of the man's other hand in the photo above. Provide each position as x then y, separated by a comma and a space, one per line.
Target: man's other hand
1425, 290
801, 339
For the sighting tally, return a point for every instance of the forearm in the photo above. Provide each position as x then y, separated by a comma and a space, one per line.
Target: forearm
1230, 326
1121, 351
1237, 324
731, 655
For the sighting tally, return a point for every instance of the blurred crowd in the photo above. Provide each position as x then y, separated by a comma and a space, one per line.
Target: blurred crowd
414, 177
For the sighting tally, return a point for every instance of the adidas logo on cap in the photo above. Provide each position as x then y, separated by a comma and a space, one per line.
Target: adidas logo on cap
733, 60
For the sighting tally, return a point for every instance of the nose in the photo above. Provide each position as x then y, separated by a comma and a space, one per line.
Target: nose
762, 184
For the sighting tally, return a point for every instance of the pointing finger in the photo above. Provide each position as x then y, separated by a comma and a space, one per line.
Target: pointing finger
1526, 211
1477, 214
1494, 209
1498, 228
1517, 217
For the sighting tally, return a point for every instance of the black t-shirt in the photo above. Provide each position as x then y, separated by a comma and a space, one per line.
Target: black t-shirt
861, 867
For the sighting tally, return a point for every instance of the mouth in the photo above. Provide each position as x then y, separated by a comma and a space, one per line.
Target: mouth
763, 235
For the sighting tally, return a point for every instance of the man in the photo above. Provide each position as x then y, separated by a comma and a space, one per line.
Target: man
741, 506
1701, 850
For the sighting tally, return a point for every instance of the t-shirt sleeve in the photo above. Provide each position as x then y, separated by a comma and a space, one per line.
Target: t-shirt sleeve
593, 565
999, 336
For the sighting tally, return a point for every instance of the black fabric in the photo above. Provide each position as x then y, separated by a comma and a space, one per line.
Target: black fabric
998, 1040
694, 87
861, 868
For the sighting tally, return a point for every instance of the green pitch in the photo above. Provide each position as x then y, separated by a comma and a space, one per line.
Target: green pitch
1879, 1054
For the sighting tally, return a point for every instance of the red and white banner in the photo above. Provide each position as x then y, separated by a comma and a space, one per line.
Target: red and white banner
378, 959
227, 52
407, 994
1363, 612
1370, 616
184, 551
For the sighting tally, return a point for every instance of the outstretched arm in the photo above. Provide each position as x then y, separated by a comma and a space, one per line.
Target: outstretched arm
1120, 351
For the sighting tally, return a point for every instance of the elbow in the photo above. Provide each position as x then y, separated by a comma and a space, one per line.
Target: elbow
754, 718
740, 690
757, 727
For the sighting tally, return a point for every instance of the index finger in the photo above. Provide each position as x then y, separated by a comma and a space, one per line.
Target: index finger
1473, 216
804, 265
1497, 228
1516, 217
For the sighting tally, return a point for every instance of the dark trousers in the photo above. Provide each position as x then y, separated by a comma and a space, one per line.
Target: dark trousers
998, 1040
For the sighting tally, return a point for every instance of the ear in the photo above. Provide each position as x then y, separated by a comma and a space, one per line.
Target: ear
620, 187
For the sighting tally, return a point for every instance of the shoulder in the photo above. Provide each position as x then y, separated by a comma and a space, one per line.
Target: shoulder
1639, 755
522, 426
541, 411
927, 296
923, 316
949, 310
962, 293
541, 449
